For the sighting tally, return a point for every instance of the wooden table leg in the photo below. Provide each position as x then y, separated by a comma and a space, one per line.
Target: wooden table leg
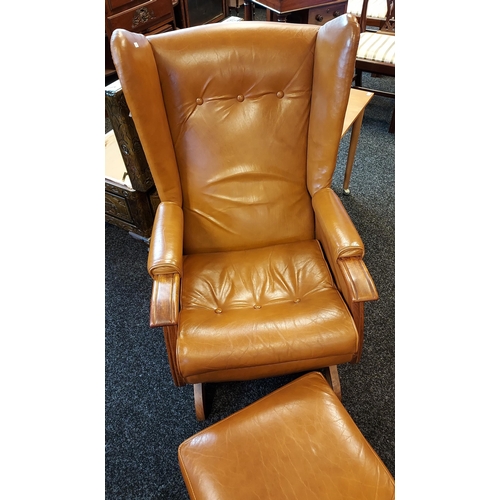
356, 128
248, 15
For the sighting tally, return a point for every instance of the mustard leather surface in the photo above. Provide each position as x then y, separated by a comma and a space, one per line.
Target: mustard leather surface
339, 236
229, 128
240, 124
137, 71
334, 59
239, 120
165, 249
281, 297
297, 443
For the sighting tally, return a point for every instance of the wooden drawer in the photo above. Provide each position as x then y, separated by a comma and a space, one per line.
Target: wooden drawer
131, 210
300, 11
115, 6
124, 206
325, 13
117, 201
141, 18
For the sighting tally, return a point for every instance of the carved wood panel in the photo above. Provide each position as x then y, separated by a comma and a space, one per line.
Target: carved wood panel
127, 138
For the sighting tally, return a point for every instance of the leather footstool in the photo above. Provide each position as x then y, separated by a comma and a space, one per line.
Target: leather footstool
298, 442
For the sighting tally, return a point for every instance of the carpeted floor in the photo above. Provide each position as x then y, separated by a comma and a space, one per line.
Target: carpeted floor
147, 417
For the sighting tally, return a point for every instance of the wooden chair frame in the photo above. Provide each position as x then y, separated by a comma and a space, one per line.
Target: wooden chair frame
376, 67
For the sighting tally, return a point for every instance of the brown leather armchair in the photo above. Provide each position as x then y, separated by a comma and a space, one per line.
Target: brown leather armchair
257, 268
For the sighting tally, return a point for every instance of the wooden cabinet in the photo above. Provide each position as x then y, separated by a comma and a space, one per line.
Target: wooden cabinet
148, 17
324, 13
131, 198
198, 12
152, 16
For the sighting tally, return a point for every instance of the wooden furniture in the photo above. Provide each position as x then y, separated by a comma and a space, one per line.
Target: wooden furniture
236, 4
198, 12
358, 101
257, 268
131, 198
142, 16
298, 11
377, 51
298, 442
375, 15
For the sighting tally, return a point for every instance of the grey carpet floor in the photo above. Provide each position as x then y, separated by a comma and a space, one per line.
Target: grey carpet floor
147, 417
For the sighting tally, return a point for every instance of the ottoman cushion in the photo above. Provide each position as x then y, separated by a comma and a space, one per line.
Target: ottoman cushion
298, 442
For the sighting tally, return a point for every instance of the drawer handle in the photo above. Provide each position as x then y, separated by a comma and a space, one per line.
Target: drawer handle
142, 16
336, 13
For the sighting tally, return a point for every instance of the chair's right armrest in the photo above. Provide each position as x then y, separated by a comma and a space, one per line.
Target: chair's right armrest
165, 263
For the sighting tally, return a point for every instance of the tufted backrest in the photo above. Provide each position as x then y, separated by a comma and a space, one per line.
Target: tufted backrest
240, 123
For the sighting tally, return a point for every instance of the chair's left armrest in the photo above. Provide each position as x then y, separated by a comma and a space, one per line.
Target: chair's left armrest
165, 300
165, 264
166, 243
343, 248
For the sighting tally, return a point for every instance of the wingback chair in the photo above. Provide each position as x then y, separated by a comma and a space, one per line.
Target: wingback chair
257, 268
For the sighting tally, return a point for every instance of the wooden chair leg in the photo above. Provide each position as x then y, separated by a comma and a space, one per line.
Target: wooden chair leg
358, 78
199, 401
332, 377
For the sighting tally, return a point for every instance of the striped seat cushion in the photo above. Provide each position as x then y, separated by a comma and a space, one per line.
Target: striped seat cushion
377, 47
377, 9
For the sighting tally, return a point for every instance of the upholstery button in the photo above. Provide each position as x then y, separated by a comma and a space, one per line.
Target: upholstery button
280, 94
199, 101
297, 301
218, 311
240, 98
256, 306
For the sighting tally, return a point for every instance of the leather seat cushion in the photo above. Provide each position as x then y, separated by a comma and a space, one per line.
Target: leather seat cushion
248, 311
298, 442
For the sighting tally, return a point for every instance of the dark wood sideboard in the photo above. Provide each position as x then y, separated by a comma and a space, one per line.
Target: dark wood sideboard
147, 17
299, 11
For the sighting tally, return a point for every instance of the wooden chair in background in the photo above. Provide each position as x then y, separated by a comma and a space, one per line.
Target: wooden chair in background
377, 51
375, 14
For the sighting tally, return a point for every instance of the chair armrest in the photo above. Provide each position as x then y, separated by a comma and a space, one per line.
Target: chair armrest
358, 283
165, 264
343, 248
166, 243
165, 300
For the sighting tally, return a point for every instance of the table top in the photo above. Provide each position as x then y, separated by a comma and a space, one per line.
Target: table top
286, 6
115, 169
358, 99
